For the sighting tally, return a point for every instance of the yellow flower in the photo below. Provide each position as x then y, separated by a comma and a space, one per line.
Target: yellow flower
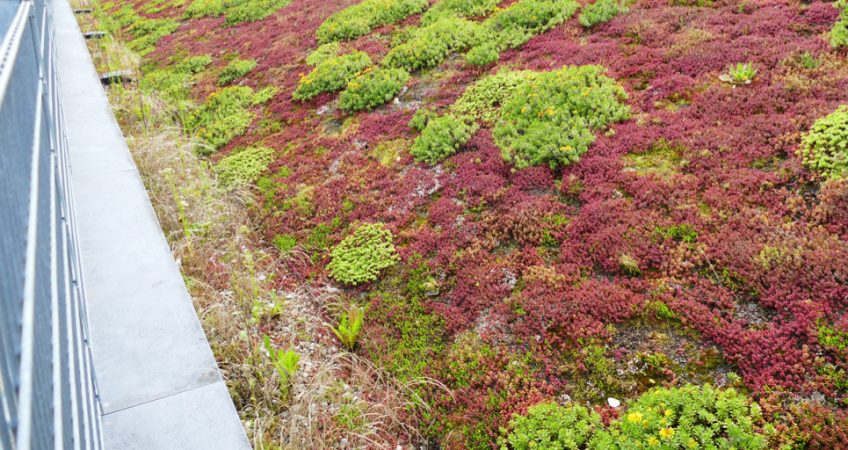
668, 412
666, 433
653, 442
691, 443
634, 417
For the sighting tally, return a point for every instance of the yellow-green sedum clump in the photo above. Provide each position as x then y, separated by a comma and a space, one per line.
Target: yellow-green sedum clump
323, 53
360, 257
458, 8
225, 114
236, 69
553, 117
688, 417
601, 11
372, 88
825, 148
484, 98
361, 18
430, 45
243, 167
235, 11
548, 426
838, 35
331, 75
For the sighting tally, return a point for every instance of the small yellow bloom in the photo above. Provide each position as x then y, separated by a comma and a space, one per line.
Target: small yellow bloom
668, 412
653, 442
691, 443
634, 417
666, 433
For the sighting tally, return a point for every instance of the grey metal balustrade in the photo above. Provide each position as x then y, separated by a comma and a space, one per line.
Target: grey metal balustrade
48, 397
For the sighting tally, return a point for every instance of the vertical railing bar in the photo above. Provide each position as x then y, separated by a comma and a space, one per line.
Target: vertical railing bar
27, 374
58, 424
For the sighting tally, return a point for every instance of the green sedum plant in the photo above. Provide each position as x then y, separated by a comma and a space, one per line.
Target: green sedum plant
430, 45
235, 11
350, 325
372, 88
360, 257
551, 118
515, 25
484, 98
225, 115
601, 11
482, 55
146, 32
243, 166
361, 18
441, 138
548, 426
237, 68
323, 53
458, 8
331, 75
285, 243
838, 35
824, 149
421, 118
689, 417
173, 82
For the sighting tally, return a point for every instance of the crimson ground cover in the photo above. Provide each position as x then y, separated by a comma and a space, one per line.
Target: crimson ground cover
689, 244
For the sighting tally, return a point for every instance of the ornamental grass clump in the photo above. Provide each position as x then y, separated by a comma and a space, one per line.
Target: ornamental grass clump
552, 118
825, 148
372, 88
331, 75
360, 257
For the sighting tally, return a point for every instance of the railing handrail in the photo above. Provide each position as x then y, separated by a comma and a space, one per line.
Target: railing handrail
48, 396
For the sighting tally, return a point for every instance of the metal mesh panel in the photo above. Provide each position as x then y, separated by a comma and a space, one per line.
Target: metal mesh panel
47, 392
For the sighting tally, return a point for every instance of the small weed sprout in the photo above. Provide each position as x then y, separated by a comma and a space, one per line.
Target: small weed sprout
285, 362
739, 74
350, 324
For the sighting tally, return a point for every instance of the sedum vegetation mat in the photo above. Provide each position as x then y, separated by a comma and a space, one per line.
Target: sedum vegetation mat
609, 224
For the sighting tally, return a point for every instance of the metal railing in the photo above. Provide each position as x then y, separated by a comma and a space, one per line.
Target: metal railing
48, 396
